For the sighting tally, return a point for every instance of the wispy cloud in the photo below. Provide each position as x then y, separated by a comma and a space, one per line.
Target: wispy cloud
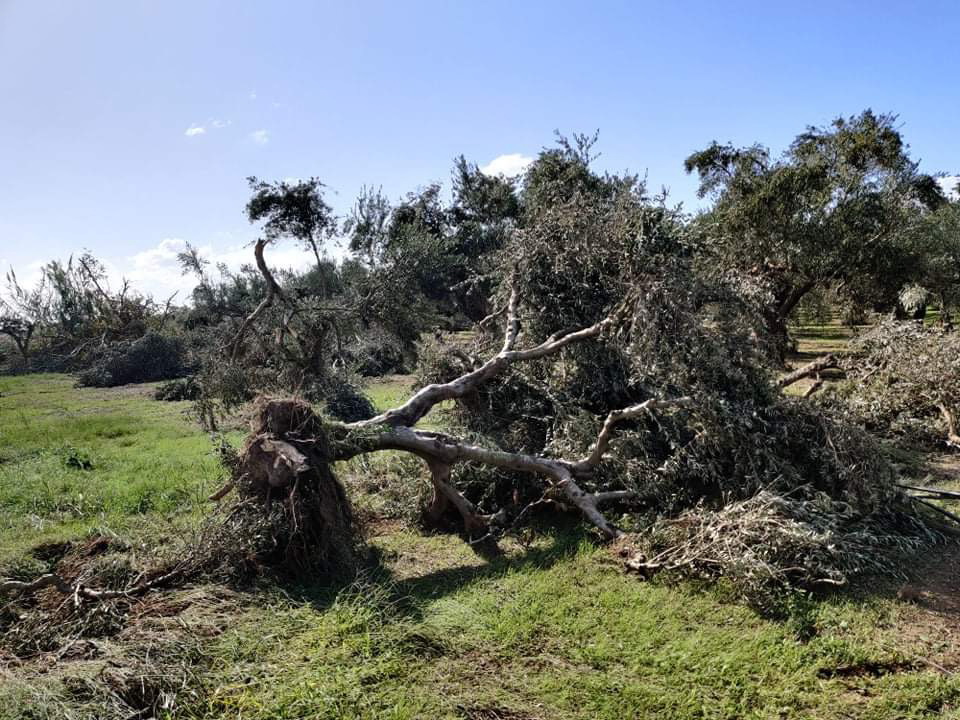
509, 165
260, 137
211, 124
156, 270
252, 95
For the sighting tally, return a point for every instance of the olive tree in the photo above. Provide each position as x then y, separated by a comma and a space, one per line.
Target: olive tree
832, 210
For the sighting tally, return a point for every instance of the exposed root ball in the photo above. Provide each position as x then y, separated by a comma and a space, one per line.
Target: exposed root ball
293, 510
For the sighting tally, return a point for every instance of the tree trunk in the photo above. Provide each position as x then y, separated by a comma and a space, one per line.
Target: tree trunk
777, 314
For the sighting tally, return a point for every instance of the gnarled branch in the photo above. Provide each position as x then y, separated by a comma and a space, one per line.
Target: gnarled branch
811, 368
414, 409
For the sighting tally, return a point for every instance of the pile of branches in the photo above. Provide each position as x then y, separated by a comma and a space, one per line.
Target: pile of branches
776, 539
904, 383
149, 358
713, 473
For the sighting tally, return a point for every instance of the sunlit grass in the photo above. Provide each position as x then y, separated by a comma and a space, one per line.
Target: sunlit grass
75, 459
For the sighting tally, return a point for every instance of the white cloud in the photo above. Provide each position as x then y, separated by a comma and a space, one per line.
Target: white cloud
949, 185
212, 124
509, 165
157, 272
260, 137
252, 95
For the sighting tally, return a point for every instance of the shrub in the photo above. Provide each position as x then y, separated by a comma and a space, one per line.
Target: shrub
179, 389
345, 401
147, 359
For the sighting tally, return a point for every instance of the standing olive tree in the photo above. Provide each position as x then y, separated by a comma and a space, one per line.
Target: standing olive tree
832, 210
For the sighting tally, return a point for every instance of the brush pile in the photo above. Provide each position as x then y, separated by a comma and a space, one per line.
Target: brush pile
904, 383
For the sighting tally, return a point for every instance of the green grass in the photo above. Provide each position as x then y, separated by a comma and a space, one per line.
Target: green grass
556, 632
550, 630
76, 459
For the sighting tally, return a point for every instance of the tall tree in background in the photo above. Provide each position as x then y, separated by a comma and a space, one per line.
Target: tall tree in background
832, 210
445, 248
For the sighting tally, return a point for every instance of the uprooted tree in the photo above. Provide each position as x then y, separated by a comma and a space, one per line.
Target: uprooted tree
613, 380
613, 377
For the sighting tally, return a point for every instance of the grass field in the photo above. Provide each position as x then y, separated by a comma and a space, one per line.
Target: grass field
551, 629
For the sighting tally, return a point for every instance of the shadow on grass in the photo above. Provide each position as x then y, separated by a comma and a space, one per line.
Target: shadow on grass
409, 595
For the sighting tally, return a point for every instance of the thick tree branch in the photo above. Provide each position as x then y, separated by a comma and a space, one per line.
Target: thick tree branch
274, 291
414, 409
811, 368
443, 451
445, 493
602, 444
793, 298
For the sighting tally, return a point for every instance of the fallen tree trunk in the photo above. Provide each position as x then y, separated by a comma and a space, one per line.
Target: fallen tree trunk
811, 368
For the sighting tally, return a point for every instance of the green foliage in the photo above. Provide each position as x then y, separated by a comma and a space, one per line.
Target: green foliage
835, 209
295, 210
445, 251
180, 389
937, 243
903, 382
146, 359
69, 311
345, 401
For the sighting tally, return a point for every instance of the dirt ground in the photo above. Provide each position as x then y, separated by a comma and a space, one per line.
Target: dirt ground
932, 599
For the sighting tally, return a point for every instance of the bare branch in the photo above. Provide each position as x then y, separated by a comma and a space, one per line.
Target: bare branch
602, 444
273, 290
22, 588
78, 591
513, 323
812, 368
818, 383
610, 496
413, 410
440, 477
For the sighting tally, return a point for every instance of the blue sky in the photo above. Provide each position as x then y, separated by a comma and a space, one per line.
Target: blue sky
99, 98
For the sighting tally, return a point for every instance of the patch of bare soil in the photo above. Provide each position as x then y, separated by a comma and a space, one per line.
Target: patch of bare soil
931, 616
491, 712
